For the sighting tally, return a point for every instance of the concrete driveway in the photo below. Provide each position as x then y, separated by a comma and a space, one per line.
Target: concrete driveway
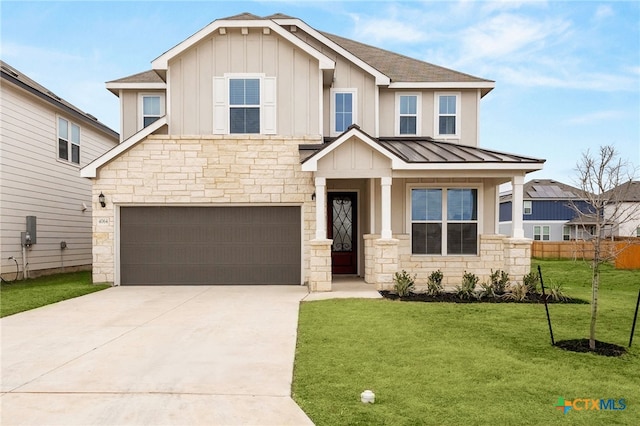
154, 356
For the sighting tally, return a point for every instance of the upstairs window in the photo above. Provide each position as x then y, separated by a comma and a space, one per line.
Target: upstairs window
527, 207
407, 114
68, 141
448, 114
343, 105
151, 108
244, 105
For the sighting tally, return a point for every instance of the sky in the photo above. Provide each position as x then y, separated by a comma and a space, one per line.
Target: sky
567, 72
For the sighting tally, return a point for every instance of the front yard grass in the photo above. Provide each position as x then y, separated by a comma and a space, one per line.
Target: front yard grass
458, 364
20, 296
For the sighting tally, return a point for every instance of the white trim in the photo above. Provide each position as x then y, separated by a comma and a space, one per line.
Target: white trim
418, 114
436, 116
121, 102
443, 85
91, 169
354, 109
311, 165
135, 86
70, 124
141, 115
162, 61
444, 187
526, 203
381, 79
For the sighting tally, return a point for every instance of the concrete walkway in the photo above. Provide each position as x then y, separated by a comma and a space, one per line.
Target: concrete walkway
154, 356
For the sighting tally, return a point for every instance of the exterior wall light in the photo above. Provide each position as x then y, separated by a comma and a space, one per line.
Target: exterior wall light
101, 199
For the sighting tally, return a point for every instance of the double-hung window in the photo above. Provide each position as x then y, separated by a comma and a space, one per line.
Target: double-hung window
541, 233
244, 105
151, 107
566, 233
448, 114
343, 107
527, 208
407, 114
444, 221
68, 141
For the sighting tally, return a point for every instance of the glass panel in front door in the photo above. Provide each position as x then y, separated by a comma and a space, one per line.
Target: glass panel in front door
342, 224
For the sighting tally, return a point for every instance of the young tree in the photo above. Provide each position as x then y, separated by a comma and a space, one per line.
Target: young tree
604, 181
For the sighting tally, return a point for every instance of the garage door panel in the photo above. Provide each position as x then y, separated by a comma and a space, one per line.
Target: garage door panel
210, 245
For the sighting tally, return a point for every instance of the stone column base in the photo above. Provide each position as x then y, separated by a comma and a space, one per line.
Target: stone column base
517, 257
320, 265
385, 262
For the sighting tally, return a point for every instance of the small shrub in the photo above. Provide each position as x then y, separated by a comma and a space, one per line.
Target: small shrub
556, 293
434, 283
517, 292
499, 280
403, 283
486, 291
531, 280
468, 287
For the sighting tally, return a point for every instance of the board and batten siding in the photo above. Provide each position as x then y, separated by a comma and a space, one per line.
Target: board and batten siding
33, 182
191, 79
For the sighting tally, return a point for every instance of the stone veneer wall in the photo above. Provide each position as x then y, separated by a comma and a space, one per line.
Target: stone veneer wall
496, 252
201, 170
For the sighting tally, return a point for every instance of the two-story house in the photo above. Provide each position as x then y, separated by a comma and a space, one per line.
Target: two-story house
261, 150
550, 212
45, 205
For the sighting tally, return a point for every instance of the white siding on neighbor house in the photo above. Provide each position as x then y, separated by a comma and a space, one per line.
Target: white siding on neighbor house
191, 76
33, 182
629, 213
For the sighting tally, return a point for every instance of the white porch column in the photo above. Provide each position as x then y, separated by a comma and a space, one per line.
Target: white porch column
385, 232
321, 208
517, 230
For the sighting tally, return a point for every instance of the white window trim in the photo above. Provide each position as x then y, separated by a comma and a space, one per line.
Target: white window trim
566, 228
479, 221
354, 108
541, 233
436, 115
418, 96
141, 115
69, 141
526, 203
268, 101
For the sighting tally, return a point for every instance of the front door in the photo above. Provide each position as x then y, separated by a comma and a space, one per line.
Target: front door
342, 229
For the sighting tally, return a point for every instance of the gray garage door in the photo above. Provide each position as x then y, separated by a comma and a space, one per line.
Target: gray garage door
209, 245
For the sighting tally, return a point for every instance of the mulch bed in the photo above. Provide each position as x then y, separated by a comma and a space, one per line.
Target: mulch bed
582, 345
453, 298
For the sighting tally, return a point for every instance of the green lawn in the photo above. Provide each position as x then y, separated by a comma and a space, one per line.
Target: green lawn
459, 364
21, 296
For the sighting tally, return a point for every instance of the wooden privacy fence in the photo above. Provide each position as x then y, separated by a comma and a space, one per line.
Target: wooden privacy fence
626, 253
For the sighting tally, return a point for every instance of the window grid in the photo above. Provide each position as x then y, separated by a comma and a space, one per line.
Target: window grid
541, 233
68, 141
458, 234
408, 115
527, 207
244, 105
343, 111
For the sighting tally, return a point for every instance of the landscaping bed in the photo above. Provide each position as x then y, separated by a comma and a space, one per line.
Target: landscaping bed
449, 297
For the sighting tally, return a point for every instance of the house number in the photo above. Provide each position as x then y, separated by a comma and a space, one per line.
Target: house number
103, 221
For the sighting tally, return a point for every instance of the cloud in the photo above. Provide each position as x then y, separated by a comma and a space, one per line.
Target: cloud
603, 12
535, 77
391, 26
596, 117
507, 37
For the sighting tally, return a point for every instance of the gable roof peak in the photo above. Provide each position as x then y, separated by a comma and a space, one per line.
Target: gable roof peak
241, 16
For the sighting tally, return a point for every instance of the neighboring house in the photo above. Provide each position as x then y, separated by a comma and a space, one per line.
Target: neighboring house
45, 205
549, 212
263, 151
627, 217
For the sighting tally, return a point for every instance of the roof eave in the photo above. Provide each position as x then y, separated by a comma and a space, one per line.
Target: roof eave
91, 169
162, 61
115, 87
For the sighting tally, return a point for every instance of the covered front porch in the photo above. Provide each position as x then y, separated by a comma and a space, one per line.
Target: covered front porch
375, 216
